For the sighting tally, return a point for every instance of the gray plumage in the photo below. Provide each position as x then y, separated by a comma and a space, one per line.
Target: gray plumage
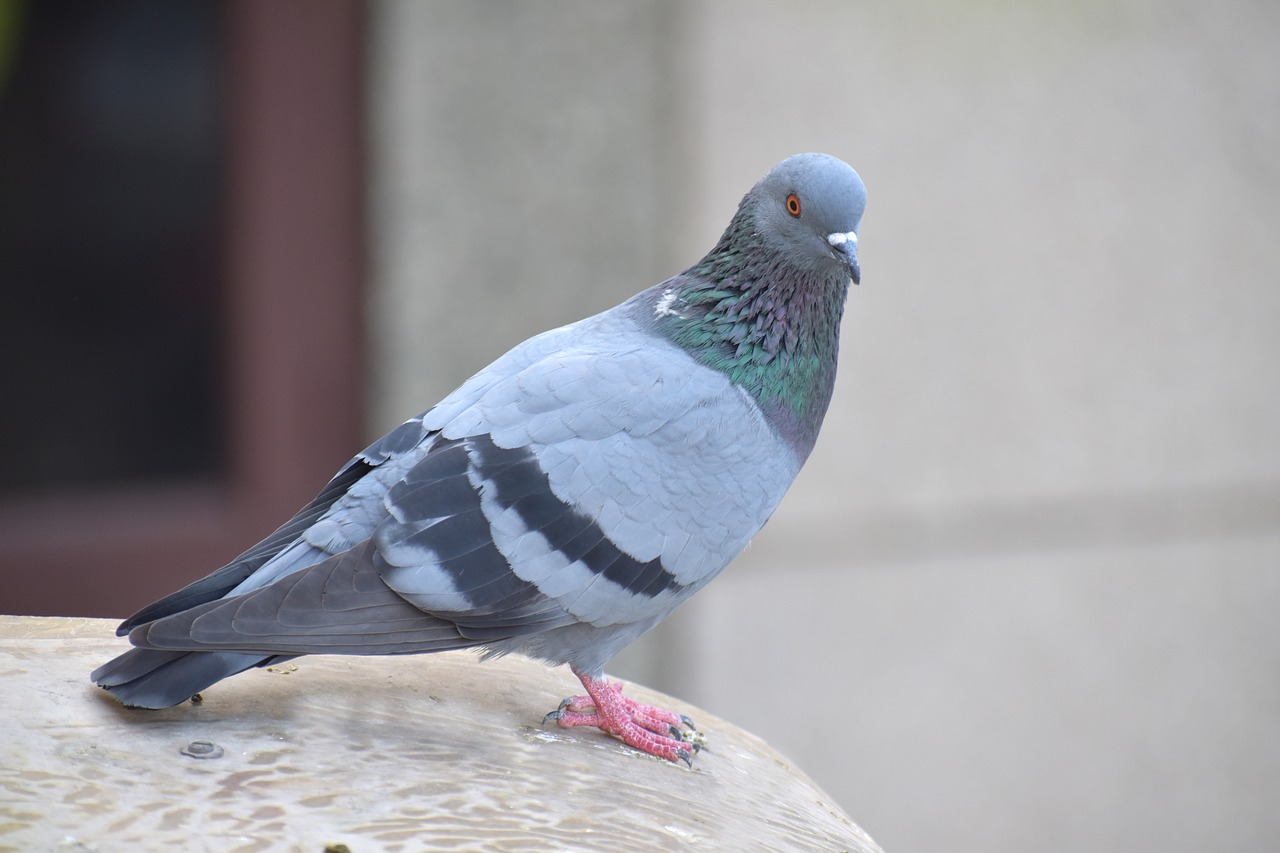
568, 496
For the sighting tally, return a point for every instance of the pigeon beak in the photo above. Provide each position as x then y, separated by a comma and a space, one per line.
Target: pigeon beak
845, 246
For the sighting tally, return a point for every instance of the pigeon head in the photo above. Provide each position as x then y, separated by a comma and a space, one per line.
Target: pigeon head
764, 305
807, 209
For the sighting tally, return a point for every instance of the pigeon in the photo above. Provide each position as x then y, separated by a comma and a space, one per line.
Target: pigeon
566, 498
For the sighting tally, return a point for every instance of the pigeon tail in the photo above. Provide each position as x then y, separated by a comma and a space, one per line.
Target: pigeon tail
154, 678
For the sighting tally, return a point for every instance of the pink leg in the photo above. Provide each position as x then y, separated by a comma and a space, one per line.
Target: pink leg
643, 727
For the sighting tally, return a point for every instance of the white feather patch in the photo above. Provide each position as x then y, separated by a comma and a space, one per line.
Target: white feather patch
665, 301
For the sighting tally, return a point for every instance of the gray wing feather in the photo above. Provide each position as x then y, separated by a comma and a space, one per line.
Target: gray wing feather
302, 527
338, 606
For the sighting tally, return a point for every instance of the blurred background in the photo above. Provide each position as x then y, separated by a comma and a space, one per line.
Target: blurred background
1026, 594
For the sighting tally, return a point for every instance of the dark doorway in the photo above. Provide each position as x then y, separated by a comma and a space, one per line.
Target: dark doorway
180, 273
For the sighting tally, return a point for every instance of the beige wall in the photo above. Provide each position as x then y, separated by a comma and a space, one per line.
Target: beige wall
1024, 596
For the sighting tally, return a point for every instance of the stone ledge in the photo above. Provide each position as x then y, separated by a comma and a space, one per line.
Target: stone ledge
407, 753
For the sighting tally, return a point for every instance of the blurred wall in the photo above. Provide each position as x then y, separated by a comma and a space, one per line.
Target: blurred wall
1024, 596
526, 172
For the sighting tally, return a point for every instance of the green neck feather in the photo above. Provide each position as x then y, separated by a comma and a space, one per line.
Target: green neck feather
769, 326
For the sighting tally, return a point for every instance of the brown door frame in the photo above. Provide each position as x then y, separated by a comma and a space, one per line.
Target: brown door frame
294, 325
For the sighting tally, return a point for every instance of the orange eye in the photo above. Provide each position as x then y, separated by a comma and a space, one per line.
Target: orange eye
793, 204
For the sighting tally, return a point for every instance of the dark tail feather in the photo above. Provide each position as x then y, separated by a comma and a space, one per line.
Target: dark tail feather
151, 678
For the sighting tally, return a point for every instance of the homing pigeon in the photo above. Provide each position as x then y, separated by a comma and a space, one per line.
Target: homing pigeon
564, 499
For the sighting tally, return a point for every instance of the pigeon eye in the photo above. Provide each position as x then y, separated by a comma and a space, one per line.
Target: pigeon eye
793, 204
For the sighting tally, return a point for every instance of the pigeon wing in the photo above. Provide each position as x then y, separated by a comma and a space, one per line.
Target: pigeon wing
597, 482
601, 483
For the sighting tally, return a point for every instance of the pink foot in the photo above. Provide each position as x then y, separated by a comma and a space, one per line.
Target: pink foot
643, 727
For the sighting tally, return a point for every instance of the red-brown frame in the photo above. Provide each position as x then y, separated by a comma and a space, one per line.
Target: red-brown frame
294, 271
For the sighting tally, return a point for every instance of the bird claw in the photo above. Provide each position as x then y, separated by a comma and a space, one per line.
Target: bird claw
651, 730
565, 705
688, 734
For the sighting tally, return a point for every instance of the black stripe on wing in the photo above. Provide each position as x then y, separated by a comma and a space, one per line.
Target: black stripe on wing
438, 522
520, 484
